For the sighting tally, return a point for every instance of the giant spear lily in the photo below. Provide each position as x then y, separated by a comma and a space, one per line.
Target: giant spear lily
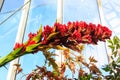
59, 36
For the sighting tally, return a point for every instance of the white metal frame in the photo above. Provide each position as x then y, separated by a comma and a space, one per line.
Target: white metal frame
60, 11
103, 22
1, 4
19, 38
59, 58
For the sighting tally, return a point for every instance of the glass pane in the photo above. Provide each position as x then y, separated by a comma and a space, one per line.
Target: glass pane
86, 10
111, 10
8, 31
41, 12
11, 5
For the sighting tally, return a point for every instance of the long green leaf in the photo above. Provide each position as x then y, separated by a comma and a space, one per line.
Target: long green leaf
31, 47
38, 37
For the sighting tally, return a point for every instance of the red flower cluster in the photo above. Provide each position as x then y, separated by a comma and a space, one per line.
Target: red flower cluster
71, 34
31, 35
30, 42
17, 45
76, 32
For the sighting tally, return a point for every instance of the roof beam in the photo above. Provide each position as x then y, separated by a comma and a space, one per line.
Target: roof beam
1, 4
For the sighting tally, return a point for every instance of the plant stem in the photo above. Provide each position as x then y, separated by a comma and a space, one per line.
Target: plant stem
4, 60
11, 56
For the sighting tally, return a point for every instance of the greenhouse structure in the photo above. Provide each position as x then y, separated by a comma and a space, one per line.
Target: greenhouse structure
59, 40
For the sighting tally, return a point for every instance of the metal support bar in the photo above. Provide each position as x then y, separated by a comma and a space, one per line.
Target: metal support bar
59, 58
1, 4
19, 38
103, 22
60, 11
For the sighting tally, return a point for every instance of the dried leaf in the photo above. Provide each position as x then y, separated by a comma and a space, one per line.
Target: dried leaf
81, 46
63, 68
73, 47
53, 63
66, 53
17, 65
81, 72
72, 66
79, 59
60, 47
85, 64
18, 68
48, 55
52, 35
92, 59
93, 68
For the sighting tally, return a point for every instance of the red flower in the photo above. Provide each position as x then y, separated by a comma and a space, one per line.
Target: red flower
44, 41
106, 33
77, 36
86, 39
47, 31
30, 42
82, 24
81, 27
69, 25
17, 45
99, 31
31, 35
62, 28
92, 27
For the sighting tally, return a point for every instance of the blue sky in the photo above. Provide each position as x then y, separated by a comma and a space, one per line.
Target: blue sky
41, 12
44, 12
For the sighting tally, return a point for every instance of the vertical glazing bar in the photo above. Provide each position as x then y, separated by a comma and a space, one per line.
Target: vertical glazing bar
103, 22
60, 11
19, 38
1, 4
59, 58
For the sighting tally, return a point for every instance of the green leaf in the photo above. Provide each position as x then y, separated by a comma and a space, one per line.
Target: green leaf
89, 76
106, 68
38, 37
115, 53
110, 41
31, 48
112, 47
118, 46
40, 30
118, 60
16, 51
116, 40
11, 56
55, 73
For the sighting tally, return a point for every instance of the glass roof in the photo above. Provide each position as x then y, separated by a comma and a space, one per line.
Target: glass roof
44, 12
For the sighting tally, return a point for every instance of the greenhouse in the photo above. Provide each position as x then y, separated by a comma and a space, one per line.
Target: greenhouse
59, 40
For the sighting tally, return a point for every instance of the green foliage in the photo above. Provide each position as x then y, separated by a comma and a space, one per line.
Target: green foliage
114, 66
31, 48
88, 77
13, 55
114, 45
38, 37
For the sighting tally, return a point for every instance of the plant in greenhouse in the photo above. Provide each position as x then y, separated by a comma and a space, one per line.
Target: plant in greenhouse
72, 35
114, 66
93, 72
